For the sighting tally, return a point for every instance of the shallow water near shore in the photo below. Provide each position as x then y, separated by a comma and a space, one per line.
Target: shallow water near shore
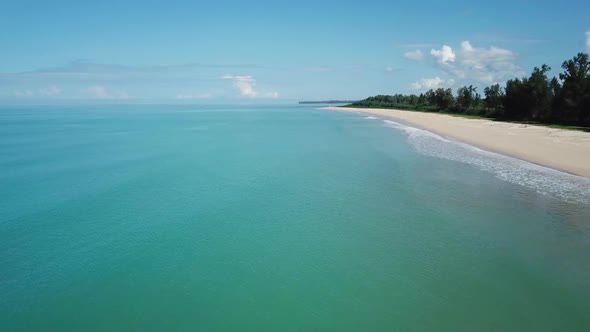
264, 218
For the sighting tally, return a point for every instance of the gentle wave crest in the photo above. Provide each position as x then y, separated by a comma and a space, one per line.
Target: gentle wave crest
543, 180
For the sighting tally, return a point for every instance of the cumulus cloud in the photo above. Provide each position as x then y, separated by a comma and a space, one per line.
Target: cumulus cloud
246, 87
245, 84
416, 55
100, 92
432, 83
445, 55
588, 41
484, 65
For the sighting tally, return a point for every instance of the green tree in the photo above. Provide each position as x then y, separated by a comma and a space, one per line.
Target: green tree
444, 98
422, 100
530, 98
467, 98
541, 94
555, 86
430, 97
536, 98
517, 100
494, 97
573, 100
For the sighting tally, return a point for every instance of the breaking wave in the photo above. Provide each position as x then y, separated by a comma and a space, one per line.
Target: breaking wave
543, 180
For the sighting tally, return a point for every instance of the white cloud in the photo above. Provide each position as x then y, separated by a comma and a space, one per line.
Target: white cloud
432, 83
588, 41
97, 92
100, 92
244, 83
246, 86
389, 69
484, 65
416, 55
23, 93
50, 91
445, 55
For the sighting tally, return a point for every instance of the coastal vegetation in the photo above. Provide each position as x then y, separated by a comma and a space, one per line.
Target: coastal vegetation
561, 100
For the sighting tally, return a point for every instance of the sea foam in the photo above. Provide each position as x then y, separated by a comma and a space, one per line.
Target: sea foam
547, 181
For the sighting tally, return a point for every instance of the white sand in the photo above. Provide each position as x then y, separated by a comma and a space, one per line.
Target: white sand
560, 149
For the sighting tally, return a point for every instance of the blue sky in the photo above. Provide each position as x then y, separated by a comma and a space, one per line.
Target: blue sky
274, 51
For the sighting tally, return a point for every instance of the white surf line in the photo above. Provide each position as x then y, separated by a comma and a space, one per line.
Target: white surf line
544, 180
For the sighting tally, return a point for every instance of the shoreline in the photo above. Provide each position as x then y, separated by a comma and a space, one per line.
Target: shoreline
563, 150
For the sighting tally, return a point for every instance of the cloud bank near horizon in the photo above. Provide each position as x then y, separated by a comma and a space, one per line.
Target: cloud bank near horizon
422, 66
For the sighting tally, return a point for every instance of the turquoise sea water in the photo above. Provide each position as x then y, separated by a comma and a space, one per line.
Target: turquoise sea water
269, 218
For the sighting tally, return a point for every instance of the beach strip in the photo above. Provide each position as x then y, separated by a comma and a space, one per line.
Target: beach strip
561, 149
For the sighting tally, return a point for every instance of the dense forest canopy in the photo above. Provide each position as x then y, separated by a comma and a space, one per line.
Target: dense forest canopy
560, 100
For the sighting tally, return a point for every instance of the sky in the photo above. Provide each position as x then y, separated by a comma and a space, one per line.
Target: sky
275, 51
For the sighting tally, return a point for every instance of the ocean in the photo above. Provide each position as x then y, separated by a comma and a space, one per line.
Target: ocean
278, 218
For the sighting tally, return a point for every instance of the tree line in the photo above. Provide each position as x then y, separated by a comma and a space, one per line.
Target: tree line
560, 100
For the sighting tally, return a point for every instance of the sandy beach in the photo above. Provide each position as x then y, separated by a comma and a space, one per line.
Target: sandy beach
565, 150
